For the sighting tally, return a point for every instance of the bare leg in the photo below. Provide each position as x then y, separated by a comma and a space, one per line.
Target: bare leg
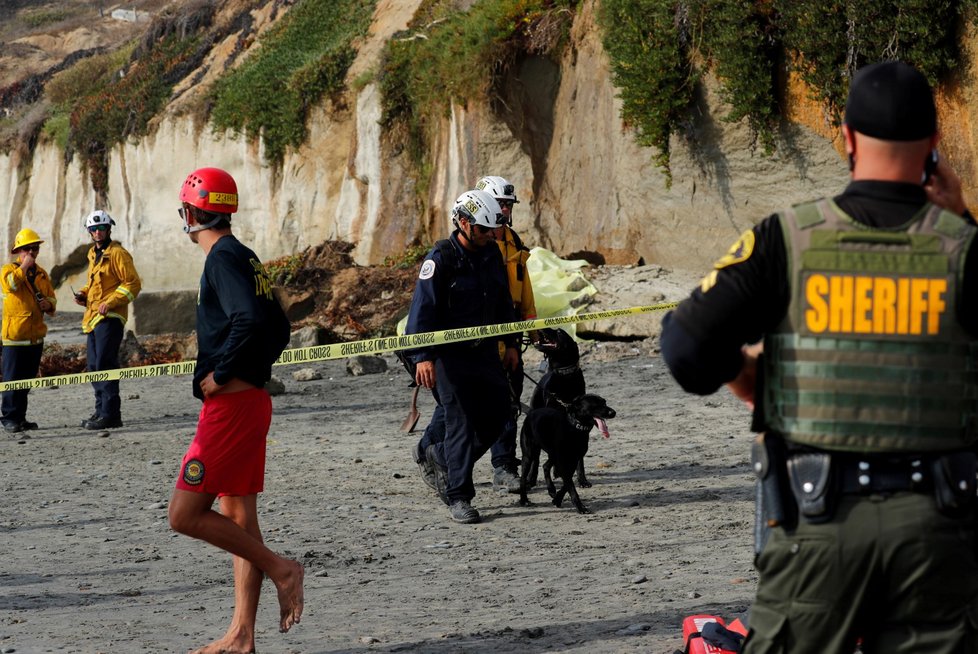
191, 514
240, 636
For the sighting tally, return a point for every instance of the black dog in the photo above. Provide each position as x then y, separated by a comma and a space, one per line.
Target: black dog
562, 382
563, 435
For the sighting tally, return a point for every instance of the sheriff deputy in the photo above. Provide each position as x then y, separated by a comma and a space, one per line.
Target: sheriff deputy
865, 306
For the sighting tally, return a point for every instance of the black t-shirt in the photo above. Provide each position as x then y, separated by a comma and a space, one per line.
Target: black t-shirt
701, 339
241, 328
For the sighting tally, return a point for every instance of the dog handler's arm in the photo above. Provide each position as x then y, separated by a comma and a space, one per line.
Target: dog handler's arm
511, 358
425, 375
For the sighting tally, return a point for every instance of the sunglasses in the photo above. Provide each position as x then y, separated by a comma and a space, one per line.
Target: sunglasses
31, 248
98, 228
506, 203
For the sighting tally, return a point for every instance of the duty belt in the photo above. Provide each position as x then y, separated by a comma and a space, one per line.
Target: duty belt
883, 475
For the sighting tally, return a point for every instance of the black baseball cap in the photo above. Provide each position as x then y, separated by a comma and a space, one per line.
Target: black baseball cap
891, 101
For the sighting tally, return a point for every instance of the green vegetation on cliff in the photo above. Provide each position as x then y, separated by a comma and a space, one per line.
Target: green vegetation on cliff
103, 99
302, 59
447, 56
658, 52
657, 49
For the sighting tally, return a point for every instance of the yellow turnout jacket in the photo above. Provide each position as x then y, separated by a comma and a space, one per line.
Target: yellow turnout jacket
112, 279
23, 321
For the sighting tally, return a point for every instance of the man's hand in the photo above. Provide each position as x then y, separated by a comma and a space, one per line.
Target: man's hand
81, 299
207, 384
944, 189
425, 374
511, 359
743, 384
45, 305
103, 309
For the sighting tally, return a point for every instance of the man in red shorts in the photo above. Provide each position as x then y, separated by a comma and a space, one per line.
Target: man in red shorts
241, 330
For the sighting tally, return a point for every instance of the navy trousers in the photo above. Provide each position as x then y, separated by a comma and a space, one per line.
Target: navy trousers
19, 362
504, 448
474, 397
103, 354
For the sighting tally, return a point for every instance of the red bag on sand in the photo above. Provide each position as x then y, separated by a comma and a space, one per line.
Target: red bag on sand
693, 636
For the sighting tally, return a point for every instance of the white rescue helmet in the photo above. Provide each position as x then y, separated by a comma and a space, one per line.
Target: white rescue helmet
498, 188
479, 208
98, 217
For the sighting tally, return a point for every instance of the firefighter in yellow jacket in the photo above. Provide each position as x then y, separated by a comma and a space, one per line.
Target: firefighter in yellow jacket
113, 284
27, 296
515, 254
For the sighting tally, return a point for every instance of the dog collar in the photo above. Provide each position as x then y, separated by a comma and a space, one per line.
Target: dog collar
577, 424
567, 370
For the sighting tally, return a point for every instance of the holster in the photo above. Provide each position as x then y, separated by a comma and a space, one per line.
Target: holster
954, 483
774, 505
812, 485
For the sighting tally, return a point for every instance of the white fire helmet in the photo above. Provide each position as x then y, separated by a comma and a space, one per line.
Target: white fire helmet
479, 208
498, 188
98, 217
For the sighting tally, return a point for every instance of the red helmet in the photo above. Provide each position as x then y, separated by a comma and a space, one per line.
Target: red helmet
210, 189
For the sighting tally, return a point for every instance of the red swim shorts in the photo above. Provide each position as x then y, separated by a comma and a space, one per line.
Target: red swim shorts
227, 455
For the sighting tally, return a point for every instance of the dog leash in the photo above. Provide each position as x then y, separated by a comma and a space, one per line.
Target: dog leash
549, 394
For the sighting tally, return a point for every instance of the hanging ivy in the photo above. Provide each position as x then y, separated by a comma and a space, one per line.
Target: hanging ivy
750, 45
647, 42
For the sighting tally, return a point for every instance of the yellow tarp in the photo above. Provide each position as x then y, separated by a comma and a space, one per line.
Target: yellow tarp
559, 286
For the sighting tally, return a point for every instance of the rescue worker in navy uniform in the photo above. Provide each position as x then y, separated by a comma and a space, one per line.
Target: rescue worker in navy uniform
866, 378
462, 283
505, 461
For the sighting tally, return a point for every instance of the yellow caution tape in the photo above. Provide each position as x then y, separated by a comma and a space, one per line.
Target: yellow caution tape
340, 350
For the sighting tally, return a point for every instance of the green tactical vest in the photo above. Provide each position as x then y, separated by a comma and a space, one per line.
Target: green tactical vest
870, 356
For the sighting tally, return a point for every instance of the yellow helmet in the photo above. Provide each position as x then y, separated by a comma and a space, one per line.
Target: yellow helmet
24, 237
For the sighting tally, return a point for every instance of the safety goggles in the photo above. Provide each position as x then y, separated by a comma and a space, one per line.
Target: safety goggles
98, 228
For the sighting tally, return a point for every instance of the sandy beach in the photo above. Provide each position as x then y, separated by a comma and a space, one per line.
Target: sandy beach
90, 565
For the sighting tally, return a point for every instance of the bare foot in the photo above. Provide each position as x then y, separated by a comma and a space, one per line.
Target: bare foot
290, 600
226, 645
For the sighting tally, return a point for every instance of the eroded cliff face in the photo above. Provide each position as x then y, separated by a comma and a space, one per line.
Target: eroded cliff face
583, 182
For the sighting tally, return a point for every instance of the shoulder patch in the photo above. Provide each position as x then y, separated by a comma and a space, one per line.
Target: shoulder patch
739, 251
427, 269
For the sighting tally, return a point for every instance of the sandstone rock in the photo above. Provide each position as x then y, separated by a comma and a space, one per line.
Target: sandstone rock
162, 312
306, 374
306, 337
365, 365
297, 305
